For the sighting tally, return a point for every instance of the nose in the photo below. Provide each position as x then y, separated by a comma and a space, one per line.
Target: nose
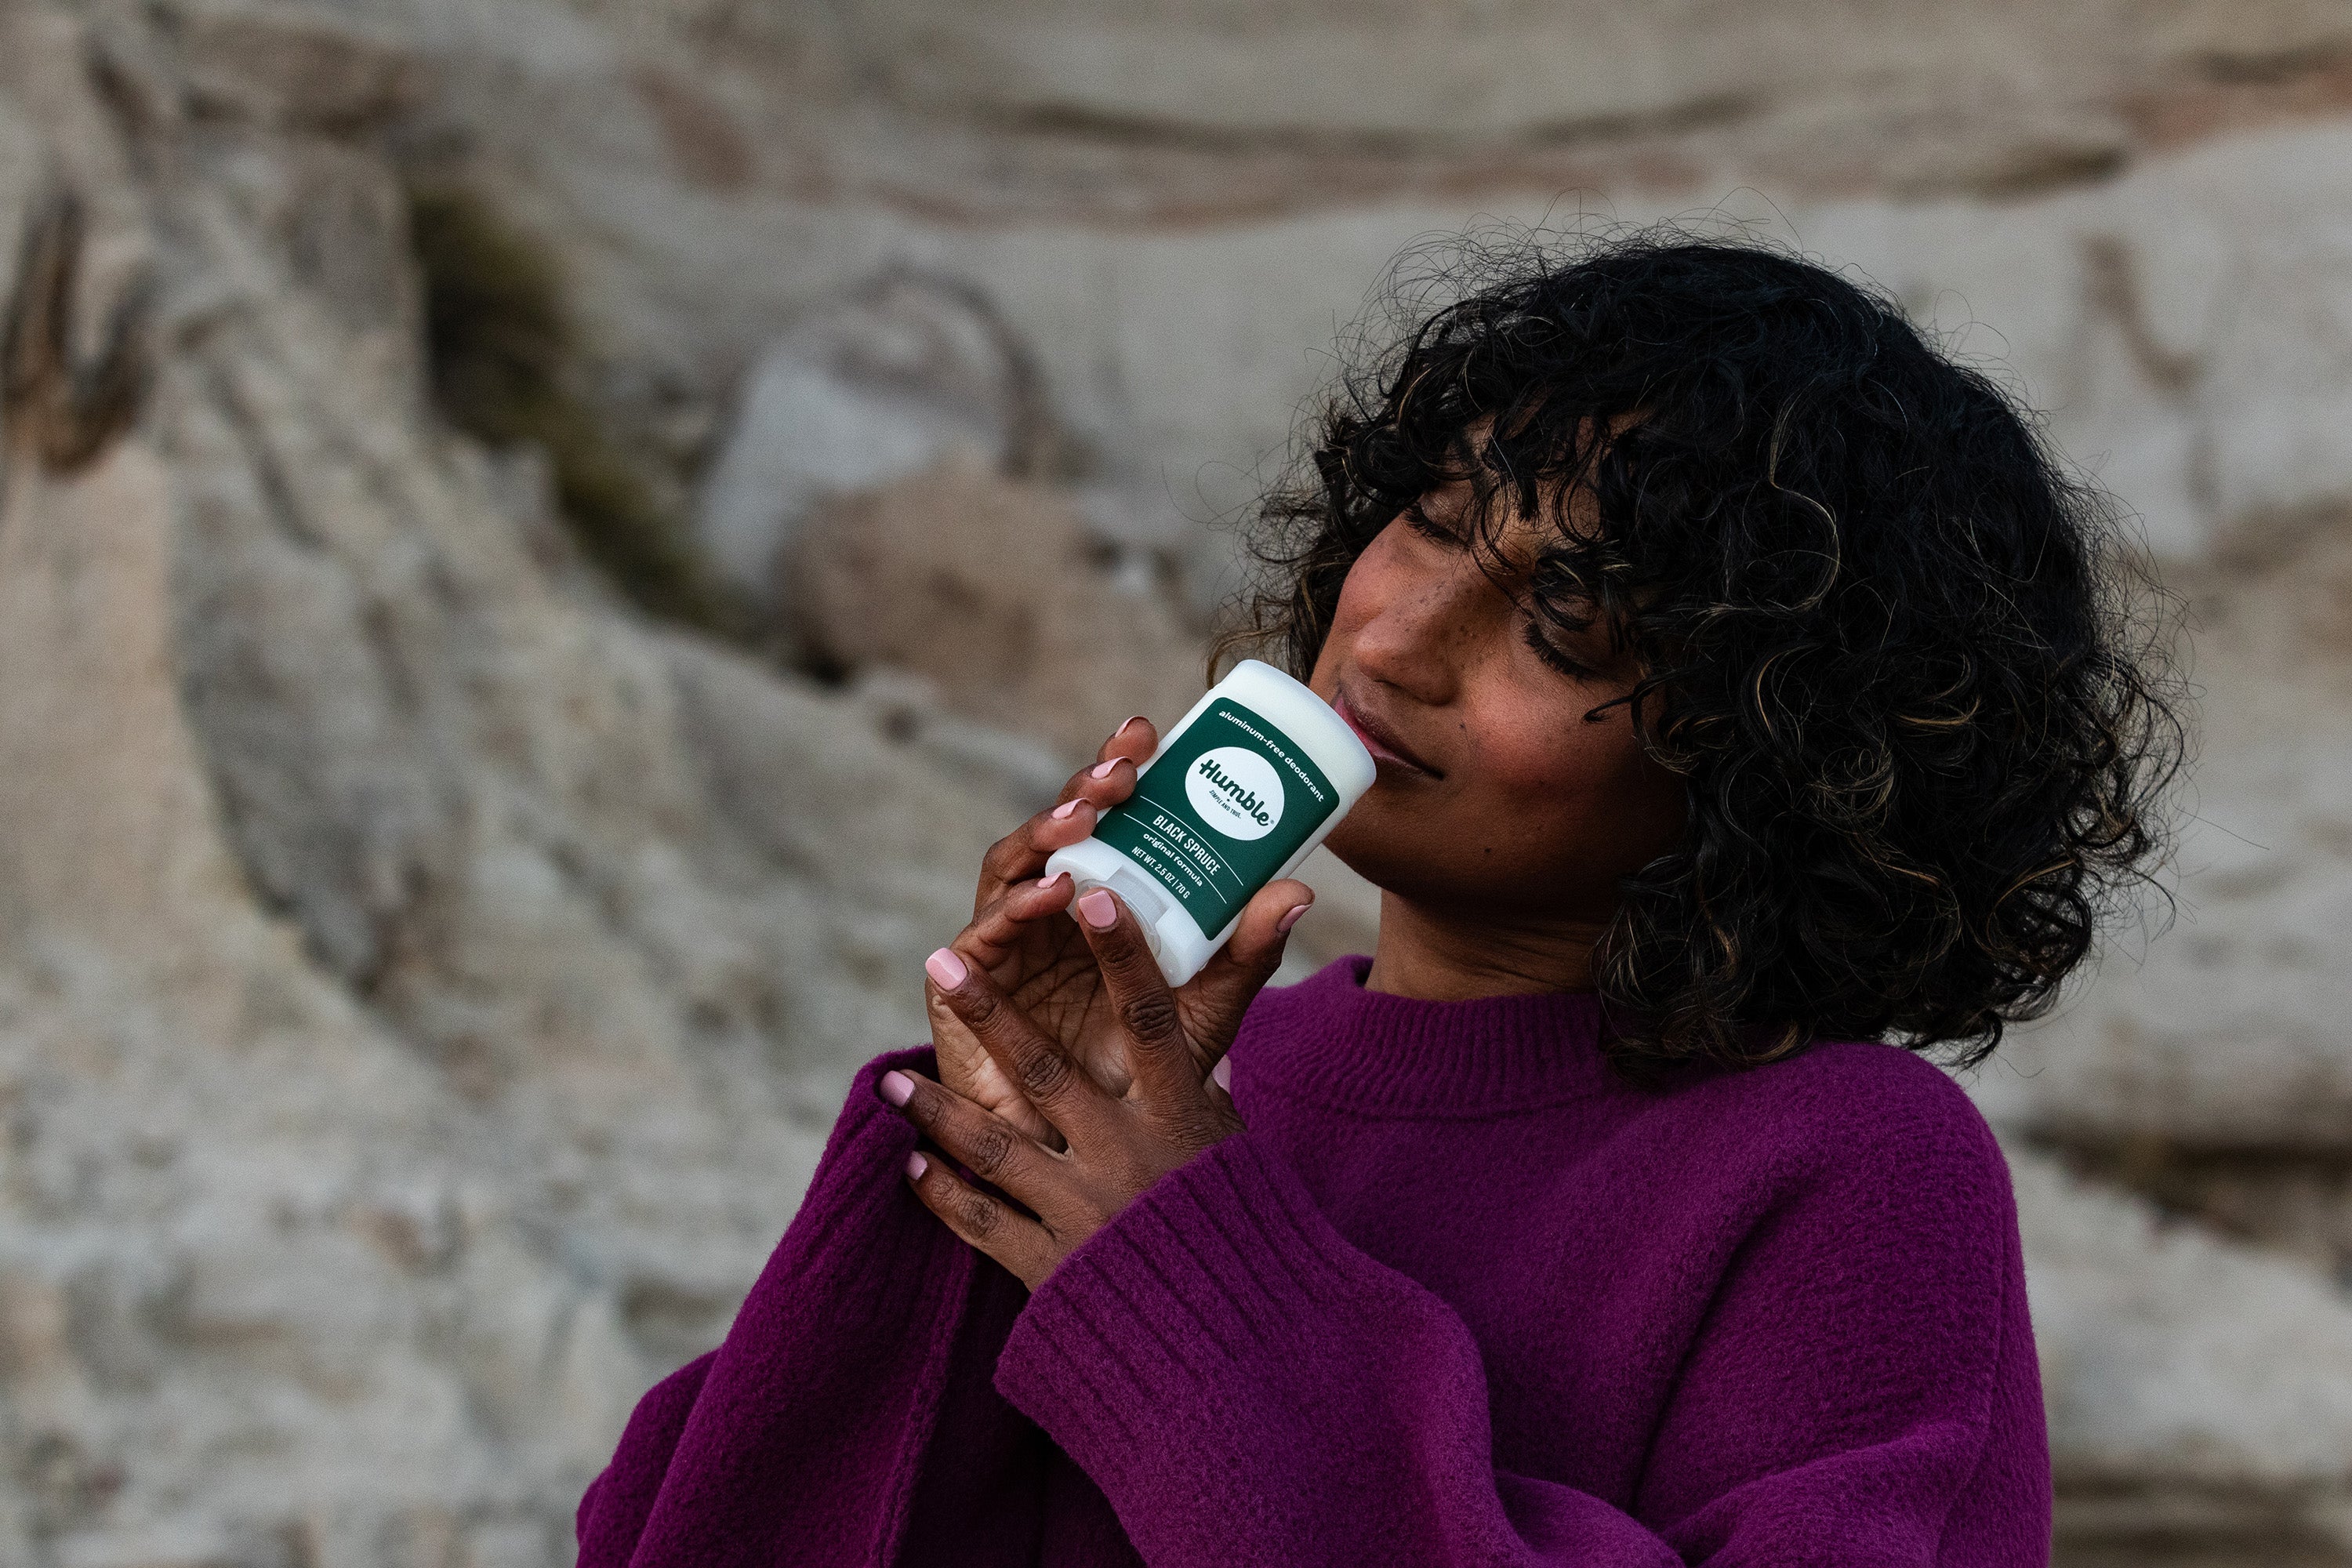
1422, 637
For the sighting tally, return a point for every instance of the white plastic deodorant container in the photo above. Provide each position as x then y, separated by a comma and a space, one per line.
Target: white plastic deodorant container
1239, 793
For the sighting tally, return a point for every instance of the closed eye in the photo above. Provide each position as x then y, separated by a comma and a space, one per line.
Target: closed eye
1429, 527
1549, 652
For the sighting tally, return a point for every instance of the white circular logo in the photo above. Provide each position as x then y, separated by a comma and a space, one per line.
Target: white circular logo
1234, 791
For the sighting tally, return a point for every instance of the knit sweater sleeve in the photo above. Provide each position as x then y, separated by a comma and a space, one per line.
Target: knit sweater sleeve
814, 1435
1248, 1387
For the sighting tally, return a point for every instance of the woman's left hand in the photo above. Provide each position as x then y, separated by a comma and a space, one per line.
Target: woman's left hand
1117, 1144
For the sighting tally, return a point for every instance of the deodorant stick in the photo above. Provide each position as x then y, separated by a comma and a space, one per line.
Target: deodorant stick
1239, 793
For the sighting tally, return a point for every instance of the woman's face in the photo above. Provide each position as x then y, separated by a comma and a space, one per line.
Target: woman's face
1497, 799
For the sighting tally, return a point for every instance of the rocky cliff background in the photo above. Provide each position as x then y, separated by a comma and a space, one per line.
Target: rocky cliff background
539, 541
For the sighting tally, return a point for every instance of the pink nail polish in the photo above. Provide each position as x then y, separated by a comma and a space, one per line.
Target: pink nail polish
1062, 812
1222, 1075
1049, 881
1131, 724
1102, 769
1292, 918
946, 968
1099, 911
898, 1088
916, 1166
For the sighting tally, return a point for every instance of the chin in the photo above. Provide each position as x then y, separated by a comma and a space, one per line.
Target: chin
1359, 845
1405, 853
1380, 850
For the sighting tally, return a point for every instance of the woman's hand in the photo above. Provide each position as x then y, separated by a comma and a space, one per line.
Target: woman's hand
1039, 961
1115, 1142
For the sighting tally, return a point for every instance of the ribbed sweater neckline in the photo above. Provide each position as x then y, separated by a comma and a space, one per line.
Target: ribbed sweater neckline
1329, 1039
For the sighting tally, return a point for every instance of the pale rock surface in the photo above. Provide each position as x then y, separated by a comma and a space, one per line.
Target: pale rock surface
921, 132
903, 373
1949, 95
2199, 1392
2183, 313
422, 988
995, 591
422, 995
2218, 1035
2164, 1342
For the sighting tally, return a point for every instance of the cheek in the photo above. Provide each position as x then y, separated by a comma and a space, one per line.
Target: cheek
1536, 754
1564, 779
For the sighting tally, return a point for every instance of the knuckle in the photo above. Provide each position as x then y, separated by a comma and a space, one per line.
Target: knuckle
980, 1214
990, 1153
1198, 1130
1151, 1018
1043, 1073
1135, 1176
1129, 957
1188, 1127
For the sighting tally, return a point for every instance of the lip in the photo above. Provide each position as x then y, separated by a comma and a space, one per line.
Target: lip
1379, 739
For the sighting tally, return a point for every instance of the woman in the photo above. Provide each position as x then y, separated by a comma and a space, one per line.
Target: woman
1748, 689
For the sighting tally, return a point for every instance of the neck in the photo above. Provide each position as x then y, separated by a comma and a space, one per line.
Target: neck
1445, 955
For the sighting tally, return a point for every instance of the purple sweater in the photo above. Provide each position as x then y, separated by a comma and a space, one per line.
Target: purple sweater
1457, 1295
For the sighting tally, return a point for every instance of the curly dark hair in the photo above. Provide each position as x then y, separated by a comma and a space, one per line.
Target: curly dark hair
1914, 678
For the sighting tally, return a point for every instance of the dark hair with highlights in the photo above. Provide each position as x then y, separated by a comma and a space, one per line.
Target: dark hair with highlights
1903, 664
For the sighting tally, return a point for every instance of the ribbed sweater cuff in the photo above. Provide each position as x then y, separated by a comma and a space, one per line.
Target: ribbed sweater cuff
860, 1228
1154, 1323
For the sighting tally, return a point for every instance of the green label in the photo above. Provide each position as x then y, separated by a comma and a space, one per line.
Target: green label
1218, 812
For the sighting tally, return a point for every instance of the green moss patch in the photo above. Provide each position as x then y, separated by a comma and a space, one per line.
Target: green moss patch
506, 360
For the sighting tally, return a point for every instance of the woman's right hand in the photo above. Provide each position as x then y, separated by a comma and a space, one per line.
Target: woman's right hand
1021, 935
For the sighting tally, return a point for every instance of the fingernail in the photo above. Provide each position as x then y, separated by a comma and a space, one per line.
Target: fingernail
1097, 910
916, 1166
1049, 881
1066, 808
946, 968
1131, 724
1222, 1074
1102, 769
898, 1088
1286, 921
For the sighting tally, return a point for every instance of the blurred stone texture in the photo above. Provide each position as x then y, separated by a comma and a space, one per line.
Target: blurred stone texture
425, 982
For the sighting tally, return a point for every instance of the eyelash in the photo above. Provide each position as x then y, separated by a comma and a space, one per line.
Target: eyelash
1421, 524
1551, 655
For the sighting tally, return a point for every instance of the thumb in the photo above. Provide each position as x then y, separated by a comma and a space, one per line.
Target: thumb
1216, 999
